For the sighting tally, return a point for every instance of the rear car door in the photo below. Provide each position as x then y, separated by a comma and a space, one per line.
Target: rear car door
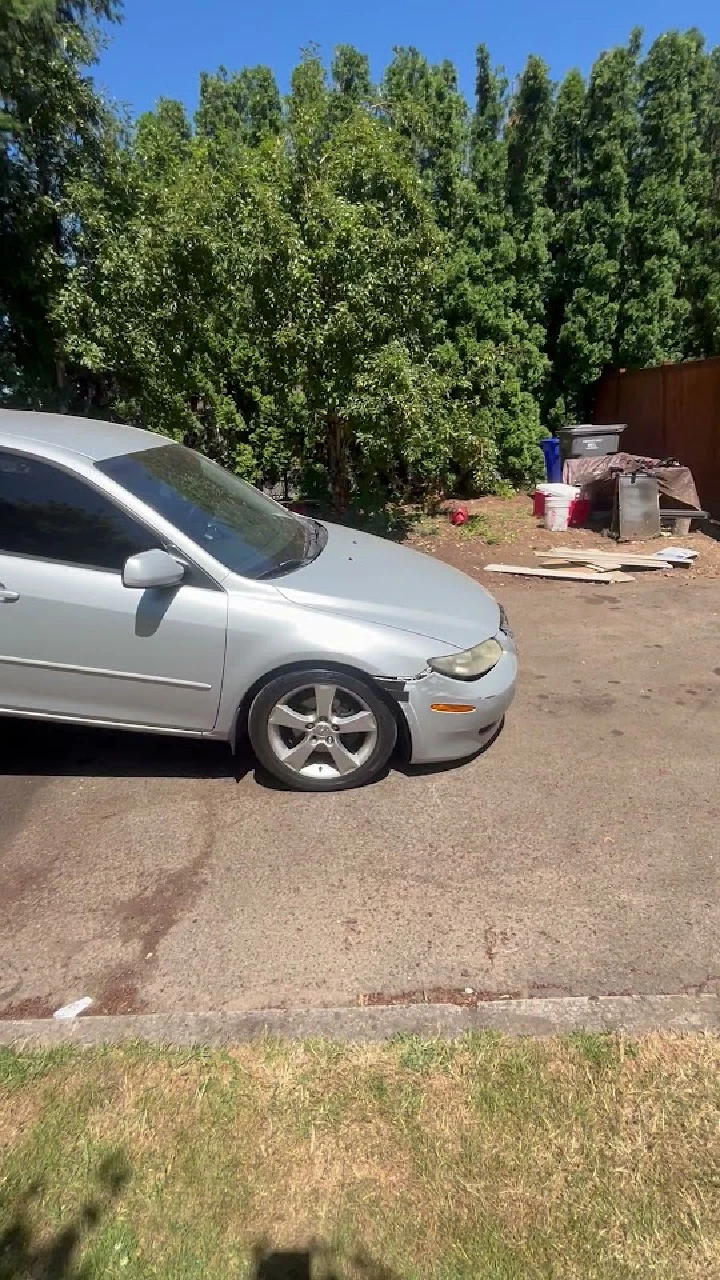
74, 642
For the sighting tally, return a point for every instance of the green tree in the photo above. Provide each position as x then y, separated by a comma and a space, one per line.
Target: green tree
563, 185
424, 106
357, 286
481, 348
172, 308
528, 161
564, 199
245, 104
708, 310
268, 304
51, 125
592, 221
701, 274
350, 74
162, 138
489, 356
654, 311
367, 243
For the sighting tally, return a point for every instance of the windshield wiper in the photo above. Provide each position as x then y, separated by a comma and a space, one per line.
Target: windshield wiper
284, 566
317, 538
315, 542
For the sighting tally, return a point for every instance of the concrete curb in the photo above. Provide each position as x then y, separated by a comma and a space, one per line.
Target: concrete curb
632, 1015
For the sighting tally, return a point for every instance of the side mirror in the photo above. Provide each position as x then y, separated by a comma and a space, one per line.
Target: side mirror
154, 568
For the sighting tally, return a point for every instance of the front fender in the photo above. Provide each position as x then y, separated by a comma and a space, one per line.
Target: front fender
267, 636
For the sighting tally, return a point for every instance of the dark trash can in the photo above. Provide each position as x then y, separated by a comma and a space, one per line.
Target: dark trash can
590, 441
553, 465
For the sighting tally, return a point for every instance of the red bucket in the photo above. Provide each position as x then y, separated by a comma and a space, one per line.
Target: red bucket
579, 512
579, 509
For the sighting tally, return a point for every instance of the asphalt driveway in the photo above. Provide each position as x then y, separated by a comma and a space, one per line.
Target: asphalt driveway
579, 855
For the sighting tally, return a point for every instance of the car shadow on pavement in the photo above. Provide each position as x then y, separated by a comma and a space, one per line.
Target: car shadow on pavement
29, 748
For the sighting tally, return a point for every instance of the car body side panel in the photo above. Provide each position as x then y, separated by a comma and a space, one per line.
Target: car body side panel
266, 631
77, 642
264, 635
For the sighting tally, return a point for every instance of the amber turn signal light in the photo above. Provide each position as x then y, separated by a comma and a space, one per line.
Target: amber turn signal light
456, 707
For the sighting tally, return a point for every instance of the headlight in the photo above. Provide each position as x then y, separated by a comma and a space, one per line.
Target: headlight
471, 663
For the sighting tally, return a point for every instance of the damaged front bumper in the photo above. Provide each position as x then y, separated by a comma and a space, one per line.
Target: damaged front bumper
438, 736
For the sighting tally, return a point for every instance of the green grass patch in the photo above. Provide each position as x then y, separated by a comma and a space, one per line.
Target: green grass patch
481, 527
19, 1069
491, 1159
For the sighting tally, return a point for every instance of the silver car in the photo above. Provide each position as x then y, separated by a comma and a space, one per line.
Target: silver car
144, 587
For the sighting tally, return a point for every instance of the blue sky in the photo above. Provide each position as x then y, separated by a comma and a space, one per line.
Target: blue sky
162, 45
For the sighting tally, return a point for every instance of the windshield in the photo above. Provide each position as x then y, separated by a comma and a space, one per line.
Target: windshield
247, 532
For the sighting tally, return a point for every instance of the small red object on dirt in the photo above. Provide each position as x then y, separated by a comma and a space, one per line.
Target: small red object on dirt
459, 515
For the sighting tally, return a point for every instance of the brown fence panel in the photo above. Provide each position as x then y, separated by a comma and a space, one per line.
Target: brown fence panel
636, 399
670, 411
692, 417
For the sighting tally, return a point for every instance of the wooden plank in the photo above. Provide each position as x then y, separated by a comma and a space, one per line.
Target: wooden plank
570, 575
600, 556
605, 566
575, 556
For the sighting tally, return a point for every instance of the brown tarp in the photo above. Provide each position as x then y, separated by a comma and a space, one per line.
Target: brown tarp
596, 476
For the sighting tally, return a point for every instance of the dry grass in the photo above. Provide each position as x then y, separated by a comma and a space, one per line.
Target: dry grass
581, 1158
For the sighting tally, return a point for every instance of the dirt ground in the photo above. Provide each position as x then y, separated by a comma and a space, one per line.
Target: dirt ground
504, 530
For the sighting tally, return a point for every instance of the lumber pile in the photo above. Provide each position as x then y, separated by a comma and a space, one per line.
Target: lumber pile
595, 564
577, 574
603, 560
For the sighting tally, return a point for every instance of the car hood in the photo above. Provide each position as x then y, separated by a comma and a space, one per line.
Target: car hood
363, 577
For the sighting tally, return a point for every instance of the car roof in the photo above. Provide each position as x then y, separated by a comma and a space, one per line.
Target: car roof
57, 432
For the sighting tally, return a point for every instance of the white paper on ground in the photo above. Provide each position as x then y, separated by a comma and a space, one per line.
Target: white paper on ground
675, 553
72, 1010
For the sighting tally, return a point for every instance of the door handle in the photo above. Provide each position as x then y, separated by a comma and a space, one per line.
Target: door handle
8, 597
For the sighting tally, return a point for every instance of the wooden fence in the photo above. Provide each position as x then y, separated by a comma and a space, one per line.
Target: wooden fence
672, 411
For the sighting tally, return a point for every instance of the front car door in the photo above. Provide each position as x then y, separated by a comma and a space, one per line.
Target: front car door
76, 643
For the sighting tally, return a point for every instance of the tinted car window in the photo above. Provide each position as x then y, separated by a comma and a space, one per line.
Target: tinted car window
47, 513
232, 521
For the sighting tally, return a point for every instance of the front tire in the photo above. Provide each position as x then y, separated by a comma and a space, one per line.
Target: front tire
321, 730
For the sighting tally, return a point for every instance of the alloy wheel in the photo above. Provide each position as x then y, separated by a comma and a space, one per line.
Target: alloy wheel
322, 731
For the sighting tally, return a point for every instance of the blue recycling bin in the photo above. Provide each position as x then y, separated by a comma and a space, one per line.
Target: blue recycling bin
553, 465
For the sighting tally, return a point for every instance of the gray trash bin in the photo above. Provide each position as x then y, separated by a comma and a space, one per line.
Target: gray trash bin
588, 441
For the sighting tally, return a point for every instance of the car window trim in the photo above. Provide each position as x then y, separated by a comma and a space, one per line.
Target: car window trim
201, 578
